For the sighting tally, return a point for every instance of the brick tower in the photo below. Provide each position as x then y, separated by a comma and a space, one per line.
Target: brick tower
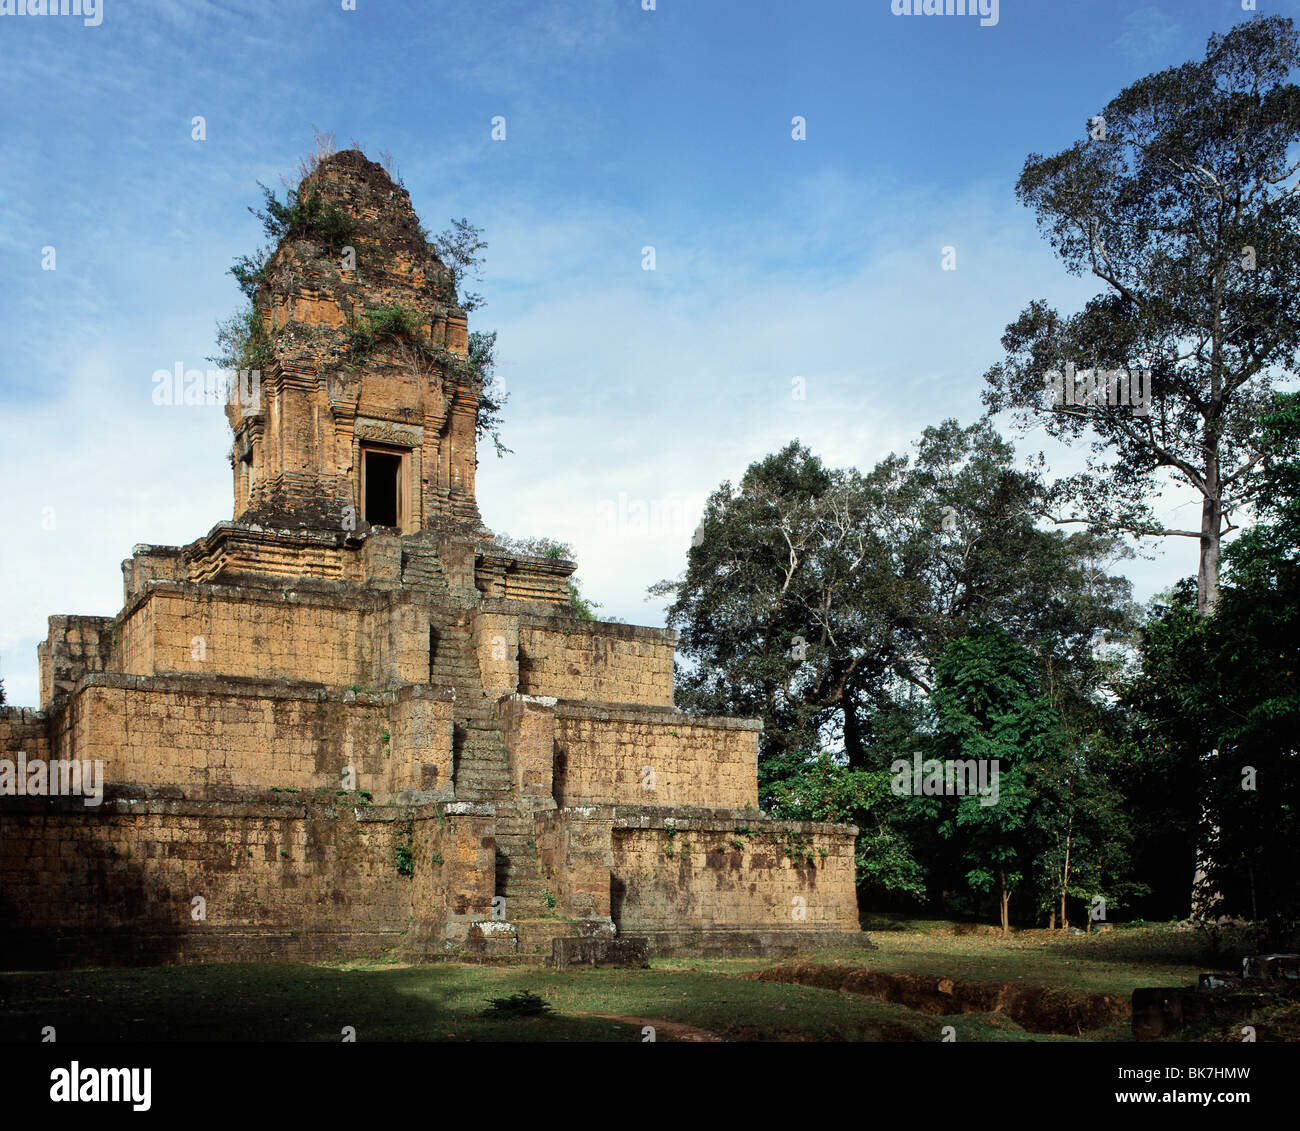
350, 722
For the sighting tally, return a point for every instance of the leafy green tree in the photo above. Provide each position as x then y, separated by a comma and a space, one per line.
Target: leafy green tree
770, 605
1183, 199
1054, 824
825, 790
1083, 828
988, 707
820, 599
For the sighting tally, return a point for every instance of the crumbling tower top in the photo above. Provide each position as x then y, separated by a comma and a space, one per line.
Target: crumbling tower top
367, 406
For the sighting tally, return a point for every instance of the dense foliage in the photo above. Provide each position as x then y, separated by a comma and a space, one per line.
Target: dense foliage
918, 615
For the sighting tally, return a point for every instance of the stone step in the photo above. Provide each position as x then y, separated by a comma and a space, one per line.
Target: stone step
482, 770
525, 870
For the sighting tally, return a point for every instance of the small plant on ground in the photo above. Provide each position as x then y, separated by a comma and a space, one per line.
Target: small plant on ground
525, 1004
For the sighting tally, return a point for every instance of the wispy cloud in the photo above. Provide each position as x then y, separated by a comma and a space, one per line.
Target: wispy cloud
1149, 35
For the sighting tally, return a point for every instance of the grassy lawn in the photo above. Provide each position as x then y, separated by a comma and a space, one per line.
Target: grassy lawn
424, 1003
707, 999
1116, 961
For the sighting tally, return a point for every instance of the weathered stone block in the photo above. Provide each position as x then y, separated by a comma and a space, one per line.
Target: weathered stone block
623, 950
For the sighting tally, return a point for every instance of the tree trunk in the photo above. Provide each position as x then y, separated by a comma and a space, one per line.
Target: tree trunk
1207, 574
1004, 899
1065, 874
853, 733
1207, 571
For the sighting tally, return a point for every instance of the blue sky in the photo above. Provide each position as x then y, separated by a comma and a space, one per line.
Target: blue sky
625, 128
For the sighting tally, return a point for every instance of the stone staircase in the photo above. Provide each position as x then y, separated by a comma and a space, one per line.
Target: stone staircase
481, 770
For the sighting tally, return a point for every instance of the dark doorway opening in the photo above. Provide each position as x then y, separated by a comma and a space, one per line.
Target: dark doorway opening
383, 473
617, 898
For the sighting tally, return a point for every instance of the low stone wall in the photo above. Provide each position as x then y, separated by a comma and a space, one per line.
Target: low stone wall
569, 658
706, 882
609, 755
275, 879
731, 872
256, 734
313, 634
176, 627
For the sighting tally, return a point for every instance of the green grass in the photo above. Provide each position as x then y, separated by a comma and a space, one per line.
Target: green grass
440, 1002
1116, 961
386, 1000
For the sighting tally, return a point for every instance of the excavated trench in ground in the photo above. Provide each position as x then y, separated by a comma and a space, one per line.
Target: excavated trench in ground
1037, 1009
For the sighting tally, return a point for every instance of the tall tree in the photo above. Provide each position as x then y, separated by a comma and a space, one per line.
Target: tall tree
820, 599
1184, 200
1222, 692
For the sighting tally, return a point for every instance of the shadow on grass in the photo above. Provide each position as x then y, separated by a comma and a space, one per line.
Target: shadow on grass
276, 1002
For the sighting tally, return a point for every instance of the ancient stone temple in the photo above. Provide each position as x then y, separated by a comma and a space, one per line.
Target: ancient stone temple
346, 721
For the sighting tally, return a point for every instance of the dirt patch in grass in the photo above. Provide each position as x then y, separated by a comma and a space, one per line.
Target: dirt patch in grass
1037, 1009
674, 1030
